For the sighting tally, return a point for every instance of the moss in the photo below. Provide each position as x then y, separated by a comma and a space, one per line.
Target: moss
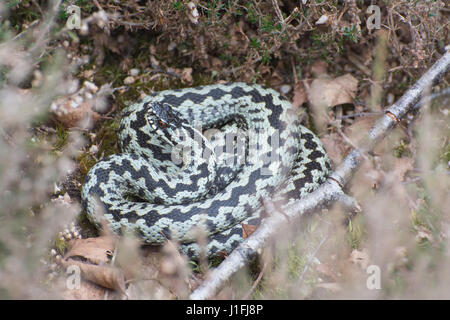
296, 262
402, 150
61, 245
61, 137
445, 154
86, 162
356, 231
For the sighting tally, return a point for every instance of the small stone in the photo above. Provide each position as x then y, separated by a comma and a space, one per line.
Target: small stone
128, 80
134, 72
84, 30
323, 19
192, 13
90, 86
93, 149
284, 89
171, 46
390, 98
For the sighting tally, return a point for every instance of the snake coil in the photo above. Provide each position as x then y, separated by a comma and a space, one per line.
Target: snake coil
171, 178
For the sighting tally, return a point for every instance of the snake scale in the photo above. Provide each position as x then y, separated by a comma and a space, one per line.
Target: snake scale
178, 170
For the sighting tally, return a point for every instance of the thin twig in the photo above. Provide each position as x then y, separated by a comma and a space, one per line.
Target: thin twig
20, 35
252, 289
329, 192
360, 114
280, 16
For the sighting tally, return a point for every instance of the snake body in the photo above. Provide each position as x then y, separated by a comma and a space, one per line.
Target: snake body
145, 191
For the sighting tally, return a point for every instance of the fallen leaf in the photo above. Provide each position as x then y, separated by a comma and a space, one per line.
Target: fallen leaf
300, 95
358, 129
92, 256
276, 79
319, 69
335, 147
96, 250
86, 291
186, 75
247, 230
325, 93
79, 108
402, 166
105, 276
73, 114
129, 80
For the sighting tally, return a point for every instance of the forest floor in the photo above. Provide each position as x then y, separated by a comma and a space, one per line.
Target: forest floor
67, 69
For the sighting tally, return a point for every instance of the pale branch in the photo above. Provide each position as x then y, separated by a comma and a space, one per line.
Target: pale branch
393, 114
328, 193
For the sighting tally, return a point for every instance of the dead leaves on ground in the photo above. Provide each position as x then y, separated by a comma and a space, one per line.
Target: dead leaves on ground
328, 92
122, 269
92, 257
81, 108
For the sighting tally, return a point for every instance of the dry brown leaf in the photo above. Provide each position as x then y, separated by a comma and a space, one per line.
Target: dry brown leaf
96, 250
335, 147
358, 129
103, 275
368, 176
92, 256
129, 80
319, 68
79, 115
216, 63
247, 230
325, 93
86, 291
186, 75
300, 95
79, 109
276, 79
402, 166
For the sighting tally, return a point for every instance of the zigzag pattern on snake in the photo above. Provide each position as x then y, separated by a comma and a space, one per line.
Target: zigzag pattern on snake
212, 187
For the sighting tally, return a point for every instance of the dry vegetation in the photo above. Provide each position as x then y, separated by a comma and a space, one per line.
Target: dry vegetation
61, 91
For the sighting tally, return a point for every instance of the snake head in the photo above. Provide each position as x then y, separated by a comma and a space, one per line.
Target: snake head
164, 121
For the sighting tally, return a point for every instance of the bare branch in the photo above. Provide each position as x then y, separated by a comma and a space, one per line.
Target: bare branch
327, 193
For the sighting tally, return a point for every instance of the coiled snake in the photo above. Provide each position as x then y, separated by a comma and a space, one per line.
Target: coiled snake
171, 179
